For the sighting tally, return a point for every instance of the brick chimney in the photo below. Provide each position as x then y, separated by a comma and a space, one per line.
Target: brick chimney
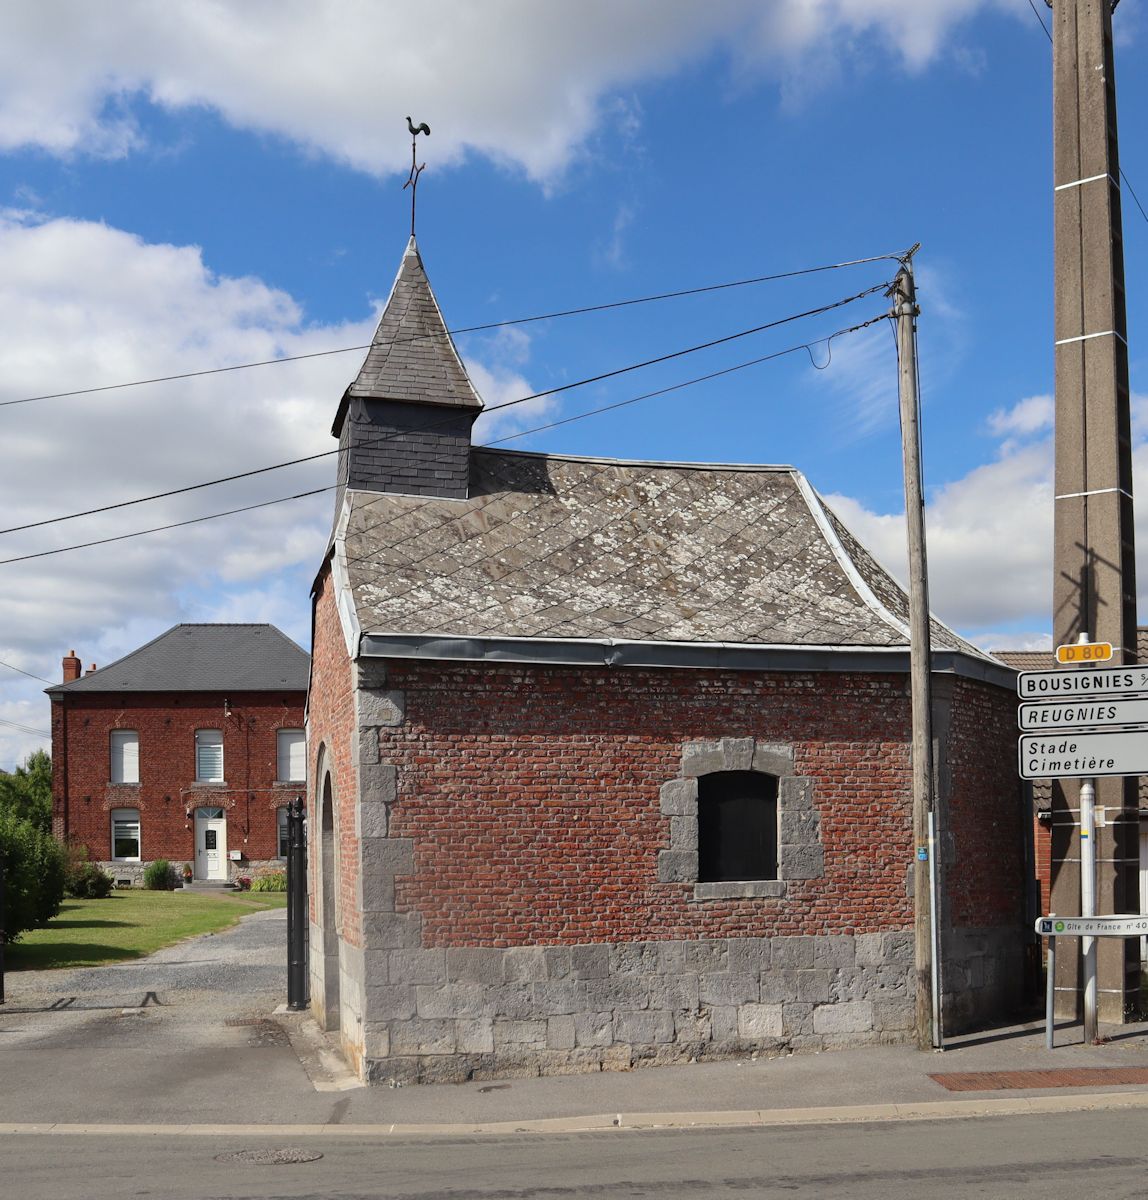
91, 670
72, 666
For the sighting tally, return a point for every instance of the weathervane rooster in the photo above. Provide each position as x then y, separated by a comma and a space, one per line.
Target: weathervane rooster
416, 168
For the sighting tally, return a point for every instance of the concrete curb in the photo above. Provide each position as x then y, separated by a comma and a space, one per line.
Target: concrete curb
601, 1122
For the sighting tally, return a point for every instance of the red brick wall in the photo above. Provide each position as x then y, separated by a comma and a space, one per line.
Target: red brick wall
985, 885
533, 797
1042, 847
166, 723
331, 724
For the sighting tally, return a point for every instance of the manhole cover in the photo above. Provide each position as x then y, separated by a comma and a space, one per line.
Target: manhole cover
269, 1158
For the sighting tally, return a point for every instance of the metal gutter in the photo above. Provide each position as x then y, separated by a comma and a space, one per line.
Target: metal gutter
689, 655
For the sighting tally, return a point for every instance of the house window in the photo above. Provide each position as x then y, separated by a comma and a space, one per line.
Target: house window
291, 755
209, 756
737, 826
125, 758
281, 826
126, 834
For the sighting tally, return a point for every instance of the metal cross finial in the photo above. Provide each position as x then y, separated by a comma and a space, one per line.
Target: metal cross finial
416, 168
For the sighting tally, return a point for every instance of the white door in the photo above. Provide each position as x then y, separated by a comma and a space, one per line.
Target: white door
210, 843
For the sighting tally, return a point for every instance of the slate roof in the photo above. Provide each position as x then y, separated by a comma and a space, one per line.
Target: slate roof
412, 356
553, 547
204, 658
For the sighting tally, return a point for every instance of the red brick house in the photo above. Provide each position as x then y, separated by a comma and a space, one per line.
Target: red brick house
188, 749
609, 760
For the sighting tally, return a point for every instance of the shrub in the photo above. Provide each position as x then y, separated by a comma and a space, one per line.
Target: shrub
87, 882
34, 875
274, 881
243, 883
158, 876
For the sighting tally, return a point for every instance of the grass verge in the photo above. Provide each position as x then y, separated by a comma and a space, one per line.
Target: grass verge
130, 924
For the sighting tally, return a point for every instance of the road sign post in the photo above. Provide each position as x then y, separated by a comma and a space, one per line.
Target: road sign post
1131, 925
1084, 725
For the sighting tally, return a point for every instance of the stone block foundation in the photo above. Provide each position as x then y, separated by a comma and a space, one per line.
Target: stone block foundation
450, 1015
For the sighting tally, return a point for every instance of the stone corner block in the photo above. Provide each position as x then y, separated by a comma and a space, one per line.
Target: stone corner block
368, 744
378, 782
677, 866
380, 708
391, 931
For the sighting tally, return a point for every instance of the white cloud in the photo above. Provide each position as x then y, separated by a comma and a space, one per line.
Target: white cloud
1029, 416
524, 83
82, 304
989, 533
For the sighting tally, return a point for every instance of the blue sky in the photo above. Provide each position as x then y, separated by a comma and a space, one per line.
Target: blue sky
207, 185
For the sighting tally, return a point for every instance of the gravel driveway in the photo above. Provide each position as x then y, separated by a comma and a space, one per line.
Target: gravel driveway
188, 1033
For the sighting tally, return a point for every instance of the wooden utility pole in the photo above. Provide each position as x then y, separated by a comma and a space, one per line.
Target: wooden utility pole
926, 864
1094, 587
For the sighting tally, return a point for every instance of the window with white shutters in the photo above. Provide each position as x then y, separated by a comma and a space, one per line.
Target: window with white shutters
126, 834
291, 745
209, 756
125, 764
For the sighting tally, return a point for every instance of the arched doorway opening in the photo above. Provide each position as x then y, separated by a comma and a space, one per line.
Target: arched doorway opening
329, 858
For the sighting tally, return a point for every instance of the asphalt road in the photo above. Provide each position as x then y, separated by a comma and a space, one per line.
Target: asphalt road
1061, 1157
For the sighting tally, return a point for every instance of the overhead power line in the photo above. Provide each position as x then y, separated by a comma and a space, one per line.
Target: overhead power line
1124, 178
383, 438
23, 672
568, 312
26, 729
807, 346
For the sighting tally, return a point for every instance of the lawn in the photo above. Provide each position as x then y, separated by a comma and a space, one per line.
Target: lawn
130, 924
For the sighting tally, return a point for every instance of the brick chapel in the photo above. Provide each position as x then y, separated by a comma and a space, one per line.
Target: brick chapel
609, 760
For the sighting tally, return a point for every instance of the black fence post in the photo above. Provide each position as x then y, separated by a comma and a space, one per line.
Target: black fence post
296, 906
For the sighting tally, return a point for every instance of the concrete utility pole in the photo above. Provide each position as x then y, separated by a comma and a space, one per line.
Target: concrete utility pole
1094, 587
926, 865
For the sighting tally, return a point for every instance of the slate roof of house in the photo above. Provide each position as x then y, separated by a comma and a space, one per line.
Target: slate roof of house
204, 658
412, 356
552, 547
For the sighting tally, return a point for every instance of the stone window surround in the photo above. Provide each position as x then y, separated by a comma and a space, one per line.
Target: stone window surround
799, 850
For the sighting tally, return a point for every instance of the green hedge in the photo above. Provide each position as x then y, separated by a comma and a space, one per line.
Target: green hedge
276, 881
158, 876
34, 867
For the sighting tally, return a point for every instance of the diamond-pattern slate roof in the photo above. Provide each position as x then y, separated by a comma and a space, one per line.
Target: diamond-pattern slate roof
412, 356
205, 658
551, 547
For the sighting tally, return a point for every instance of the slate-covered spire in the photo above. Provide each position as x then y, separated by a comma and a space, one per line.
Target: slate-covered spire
404, 423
